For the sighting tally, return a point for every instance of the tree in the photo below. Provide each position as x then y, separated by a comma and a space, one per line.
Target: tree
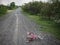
48, 10
12, 5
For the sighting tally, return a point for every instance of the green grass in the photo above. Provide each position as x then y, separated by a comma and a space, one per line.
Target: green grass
2, 15
48, 26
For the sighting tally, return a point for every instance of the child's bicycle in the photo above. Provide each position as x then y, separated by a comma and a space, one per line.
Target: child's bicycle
31, 37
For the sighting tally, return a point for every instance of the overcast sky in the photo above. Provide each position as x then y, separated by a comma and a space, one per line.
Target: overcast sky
18, 2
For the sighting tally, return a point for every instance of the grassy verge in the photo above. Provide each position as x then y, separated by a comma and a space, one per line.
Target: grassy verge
48, 26
9, 11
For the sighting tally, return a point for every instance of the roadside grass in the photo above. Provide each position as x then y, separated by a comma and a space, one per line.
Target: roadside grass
47, 26
2, 14
9, 11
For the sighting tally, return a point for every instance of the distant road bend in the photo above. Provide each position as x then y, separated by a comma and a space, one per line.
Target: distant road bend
13, 28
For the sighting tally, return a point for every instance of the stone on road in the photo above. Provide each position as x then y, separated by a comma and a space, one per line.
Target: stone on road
13, 29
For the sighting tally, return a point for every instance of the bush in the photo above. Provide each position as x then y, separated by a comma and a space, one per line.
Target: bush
49, 11
32, 7
3, 10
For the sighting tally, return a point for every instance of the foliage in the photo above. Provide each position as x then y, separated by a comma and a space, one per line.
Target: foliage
32, 7
12, 5
3, 10
48, 10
